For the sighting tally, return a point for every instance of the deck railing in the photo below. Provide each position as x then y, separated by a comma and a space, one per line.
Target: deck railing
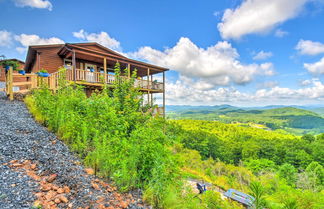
32, 81
98, 77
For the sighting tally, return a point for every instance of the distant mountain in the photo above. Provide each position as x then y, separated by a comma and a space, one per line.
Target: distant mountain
290, 119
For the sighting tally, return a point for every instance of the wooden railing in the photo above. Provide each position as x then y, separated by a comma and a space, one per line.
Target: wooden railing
33, 81
97, 77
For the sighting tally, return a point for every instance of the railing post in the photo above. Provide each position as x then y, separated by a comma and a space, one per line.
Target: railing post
105, 70
10, 83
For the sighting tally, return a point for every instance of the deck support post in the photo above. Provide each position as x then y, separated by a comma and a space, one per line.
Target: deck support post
163, 94
105, 70
148, 86
74, 65
129, 70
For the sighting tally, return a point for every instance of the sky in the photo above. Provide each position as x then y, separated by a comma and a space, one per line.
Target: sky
238, 52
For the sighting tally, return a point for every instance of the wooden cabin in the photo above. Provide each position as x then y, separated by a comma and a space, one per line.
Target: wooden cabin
91, 64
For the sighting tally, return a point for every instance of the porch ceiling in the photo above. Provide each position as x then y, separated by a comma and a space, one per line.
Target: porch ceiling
142, 68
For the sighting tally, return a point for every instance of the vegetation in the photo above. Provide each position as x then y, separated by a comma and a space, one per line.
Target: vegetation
11, 63
288, 119
114, 133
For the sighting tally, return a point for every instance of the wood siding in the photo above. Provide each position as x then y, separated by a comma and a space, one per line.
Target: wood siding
48, 59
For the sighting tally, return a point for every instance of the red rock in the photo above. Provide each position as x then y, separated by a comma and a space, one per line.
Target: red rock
95, 186
123, 204
63, 198
57, 200
33, 166
13, 161
17, 165
51, 178
51, 203
70, 205
45, 188
89, 171
66, 189
60, 190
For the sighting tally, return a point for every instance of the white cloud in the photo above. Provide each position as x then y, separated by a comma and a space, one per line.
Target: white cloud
27, 40
182, 92
5, 38
102, 38
262, 55
305, 82
268, 84
40, 4
257, 16
316, 68
213, 66
281, 33
308, 47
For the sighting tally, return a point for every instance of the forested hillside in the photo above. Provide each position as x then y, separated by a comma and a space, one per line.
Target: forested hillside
115, 134
289, 119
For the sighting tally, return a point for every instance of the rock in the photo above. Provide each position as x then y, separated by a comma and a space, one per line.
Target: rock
51, 178
123, 204
63, 198
95, 186
45, 188
66, 189
89, 171
33, 166
57, 200
60, 190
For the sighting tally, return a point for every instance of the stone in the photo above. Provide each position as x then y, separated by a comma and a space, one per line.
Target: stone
57, 200
60, 190
89, 171
63, 199
51, 178
95, 186
66, 189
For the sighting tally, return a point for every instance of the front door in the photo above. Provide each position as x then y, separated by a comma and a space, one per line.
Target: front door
90, 77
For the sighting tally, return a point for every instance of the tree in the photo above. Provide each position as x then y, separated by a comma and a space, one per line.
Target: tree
288, 172
308, 137
257, 191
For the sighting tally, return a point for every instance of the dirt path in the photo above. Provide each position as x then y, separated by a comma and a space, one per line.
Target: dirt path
38, 169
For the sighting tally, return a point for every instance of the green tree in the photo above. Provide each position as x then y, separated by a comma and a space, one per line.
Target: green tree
288, 172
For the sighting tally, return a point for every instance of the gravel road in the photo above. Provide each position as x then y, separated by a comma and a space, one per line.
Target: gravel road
38, 170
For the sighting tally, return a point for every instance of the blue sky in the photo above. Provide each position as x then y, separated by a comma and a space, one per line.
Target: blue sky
249, 53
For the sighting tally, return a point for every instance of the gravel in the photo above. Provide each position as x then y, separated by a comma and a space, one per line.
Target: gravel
21, 138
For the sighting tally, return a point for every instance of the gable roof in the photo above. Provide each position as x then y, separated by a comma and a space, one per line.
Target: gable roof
91, 47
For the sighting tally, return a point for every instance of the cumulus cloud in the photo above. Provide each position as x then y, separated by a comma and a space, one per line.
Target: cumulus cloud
257, 16
216, 65
102, 38
182, 92
262, 55
308, 47
40, 4
5, 38
316, 68
280, 33
27, 40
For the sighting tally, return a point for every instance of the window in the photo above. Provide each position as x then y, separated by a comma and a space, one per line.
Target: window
68, 63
